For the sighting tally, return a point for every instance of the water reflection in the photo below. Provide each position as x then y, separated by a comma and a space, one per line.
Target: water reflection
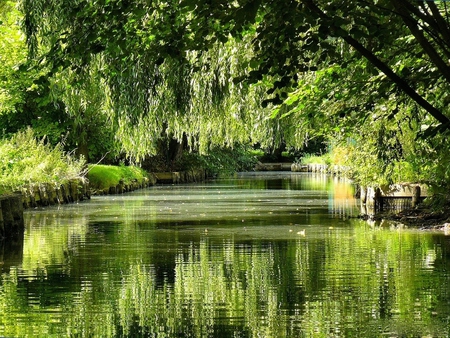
244, 257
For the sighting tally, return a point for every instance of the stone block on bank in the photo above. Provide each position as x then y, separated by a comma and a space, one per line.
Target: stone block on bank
164, 177
45, 194
297, 167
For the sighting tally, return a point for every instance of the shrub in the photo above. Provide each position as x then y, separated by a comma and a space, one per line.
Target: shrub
223, 161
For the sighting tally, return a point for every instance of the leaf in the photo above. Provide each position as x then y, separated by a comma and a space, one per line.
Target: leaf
286, 114
254, 63
189, 4
275, 113
291, 100
432, 131
357, 33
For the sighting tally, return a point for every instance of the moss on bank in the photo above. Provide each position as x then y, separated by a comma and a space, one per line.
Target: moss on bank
103, 177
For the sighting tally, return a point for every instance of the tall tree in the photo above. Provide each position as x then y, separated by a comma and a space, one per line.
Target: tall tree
139, 37
164, 78
169, 65
24, 89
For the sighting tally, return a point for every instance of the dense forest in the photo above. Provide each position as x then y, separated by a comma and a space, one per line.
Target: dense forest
124, 81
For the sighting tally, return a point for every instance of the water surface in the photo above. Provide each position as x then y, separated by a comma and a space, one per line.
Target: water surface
258, 255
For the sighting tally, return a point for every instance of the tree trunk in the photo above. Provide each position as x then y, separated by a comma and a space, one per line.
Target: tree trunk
175, 151
171, 151
83, 149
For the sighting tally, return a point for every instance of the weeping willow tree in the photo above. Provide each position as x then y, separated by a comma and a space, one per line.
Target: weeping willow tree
197, 100
85, 101
164, 74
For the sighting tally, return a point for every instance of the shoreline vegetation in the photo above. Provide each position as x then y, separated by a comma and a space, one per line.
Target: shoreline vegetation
47, 175
27, 161
427, 215
36, 168
108, 179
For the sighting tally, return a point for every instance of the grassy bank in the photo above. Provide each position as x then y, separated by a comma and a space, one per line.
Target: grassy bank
103, 177
315, 159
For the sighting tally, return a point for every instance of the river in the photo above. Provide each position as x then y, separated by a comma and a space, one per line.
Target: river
256, 255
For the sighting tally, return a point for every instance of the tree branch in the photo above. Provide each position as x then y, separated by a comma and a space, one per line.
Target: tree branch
374, 60
443, 26
422, 40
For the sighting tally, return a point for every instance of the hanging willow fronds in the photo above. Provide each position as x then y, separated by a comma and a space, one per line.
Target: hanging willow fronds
166, 74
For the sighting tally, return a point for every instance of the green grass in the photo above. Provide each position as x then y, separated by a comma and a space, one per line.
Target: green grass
24, 160
256, 152
315, 159
104, 176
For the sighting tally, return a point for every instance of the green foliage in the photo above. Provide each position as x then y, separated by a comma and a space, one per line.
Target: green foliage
157, 82
13, 54
315, 159
222, 161
25, 95
27, 160
365, 76
89, 129
258, 153
65, 109
25, 98
105, 176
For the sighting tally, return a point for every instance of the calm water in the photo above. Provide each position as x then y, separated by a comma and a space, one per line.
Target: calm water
253, 256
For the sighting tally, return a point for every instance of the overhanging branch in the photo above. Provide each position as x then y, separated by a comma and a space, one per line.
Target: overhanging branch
382, 66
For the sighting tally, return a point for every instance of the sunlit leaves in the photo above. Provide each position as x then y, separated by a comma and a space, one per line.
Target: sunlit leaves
12, 79
213, 72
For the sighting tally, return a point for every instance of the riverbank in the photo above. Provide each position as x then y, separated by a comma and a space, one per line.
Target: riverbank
108, 179
11, 216
422, 218
99, 180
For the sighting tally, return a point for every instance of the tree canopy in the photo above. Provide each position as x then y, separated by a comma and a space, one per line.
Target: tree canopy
367, 72
140, 38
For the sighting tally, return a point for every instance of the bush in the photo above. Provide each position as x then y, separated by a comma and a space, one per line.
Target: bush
25, 160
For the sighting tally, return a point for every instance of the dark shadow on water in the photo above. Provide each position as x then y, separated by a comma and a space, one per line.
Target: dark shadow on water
11, 252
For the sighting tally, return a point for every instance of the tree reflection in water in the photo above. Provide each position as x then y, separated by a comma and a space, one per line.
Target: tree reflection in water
128, 268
